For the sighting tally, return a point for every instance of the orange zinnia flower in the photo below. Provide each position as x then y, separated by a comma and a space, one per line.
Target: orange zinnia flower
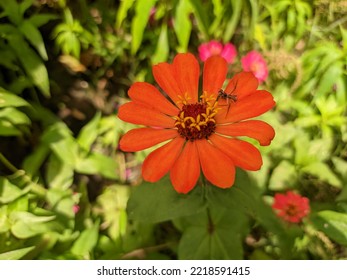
201, 129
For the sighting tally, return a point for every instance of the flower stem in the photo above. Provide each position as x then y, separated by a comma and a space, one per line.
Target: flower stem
7, 163
35, 187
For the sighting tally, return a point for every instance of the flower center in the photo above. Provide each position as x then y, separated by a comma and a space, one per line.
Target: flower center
196, 121
292, 210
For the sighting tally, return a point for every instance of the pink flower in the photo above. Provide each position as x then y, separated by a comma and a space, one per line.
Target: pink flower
291, 207
75, 208
254, 62
228, 51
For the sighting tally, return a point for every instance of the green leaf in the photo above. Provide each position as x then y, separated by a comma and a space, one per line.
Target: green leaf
8, 99
59, 175
344, 38
41, 19
157, 202
201, 16
89, 132
240, 196
66, 150
182, 24
340, 166
217, 234
10, 192
113, 202
26, 225
122, 12
323, 172
162, 50
283, 176
100, 164
33, 35
31, 63
7, 129
86, 241
61, 201
328, 80
12, 10
24, 5
16, 254
234, 20
14, 116
4, 221
333, 224
218, 13
139, 23
34, 161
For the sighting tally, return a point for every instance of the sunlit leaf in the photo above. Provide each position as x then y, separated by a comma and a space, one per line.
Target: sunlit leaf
89, 132
113, 202
7, 129
201, 15
16, 254
333, 224
323, 172
59, 175
139, 23
10, 192
26, 225
182, 24
122, 12
234, 20
33, 35
162, 50
31, 63
8, 99
14, 116
86, 241
97, 163
283, 176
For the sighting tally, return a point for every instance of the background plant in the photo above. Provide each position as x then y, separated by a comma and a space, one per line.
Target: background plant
68, 192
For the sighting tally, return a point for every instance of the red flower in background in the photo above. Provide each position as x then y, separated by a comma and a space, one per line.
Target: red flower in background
253, 61
291, 207
228, 51
199, 128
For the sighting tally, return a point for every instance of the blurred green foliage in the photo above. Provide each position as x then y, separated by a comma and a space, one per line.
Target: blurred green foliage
68, 192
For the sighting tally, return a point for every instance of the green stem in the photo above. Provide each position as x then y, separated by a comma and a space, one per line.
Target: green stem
7, 163
35, 188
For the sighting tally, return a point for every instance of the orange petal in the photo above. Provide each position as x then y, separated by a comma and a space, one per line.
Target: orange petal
187, 71
258, 130
140, 114
215, 71
150, 96
165, 77
142, 138
186, 170
242, 153
251, 106
242, 84
216, 166
160, 161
